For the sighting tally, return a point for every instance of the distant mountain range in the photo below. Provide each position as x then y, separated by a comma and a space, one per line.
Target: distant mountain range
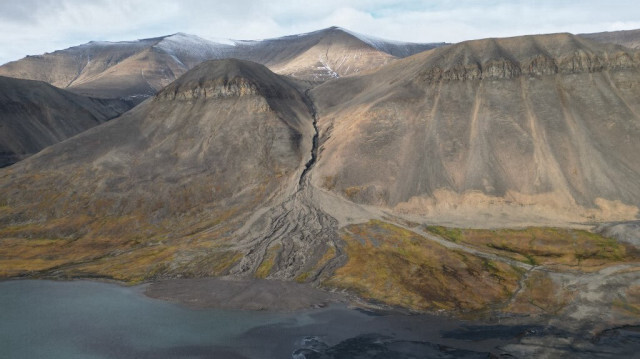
138, 69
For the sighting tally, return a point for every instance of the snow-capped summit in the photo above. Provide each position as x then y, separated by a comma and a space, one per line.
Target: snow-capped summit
138, 69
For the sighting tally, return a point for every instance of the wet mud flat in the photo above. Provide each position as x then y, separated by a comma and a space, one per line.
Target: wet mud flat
243, 294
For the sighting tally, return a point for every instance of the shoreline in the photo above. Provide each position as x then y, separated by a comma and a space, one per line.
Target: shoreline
291, 314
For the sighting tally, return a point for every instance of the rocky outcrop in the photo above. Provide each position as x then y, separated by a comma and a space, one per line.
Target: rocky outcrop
538, 65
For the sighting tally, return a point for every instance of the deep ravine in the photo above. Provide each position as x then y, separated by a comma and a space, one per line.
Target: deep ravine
293, 235
314, 144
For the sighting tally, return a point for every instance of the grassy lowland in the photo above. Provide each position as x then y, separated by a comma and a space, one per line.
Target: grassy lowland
398, 267
558, 247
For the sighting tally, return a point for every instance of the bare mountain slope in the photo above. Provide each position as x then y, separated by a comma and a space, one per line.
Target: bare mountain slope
628, 38
325, 54
137, 69
130, 69
226, 137
537, 125
34, 115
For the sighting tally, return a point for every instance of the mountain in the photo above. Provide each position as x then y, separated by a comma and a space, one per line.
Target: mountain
138, 69
227, 136
537, 125
34, 115
628, 38
133, 69
394, 185
325, 54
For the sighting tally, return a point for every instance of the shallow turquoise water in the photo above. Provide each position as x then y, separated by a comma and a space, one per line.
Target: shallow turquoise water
83, 319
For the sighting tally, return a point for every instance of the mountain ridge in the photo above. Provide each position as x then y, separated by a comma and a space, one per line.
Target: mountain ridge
628, 38
34, 115
138, 69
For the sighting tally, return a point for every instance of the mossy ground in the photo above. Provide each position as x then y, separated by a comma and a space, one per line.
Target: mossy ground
130, 248
267, 263
540, 295
398, 267
559, 248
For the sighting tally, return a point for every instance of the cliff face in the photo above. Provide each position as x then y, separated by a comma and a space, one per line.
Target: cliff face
234, 78
502, 125
525, 56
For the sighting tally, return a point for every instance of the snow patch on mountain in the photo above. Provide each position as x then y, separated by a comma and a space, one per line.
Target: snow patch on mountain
182, 45
392, 47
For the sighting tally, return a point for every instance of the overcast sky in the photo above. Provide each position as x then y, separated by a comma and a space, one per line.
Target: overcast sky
29, 27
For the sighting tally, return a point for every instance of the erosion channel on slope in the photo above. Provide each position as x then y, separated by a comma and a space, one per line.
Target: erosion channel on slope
289, 240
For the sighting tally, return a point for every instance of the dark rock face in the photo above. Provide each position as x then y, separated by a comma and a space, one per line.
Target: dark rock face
34, 115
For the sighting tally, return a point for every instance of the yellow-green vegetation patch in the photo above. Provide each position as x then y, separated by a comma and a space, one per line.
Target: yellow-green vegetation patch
303, 277
328, 255
540, 294
452, 234
561, 247
133, 266
398, 267
210, 265
26, 256
267, 263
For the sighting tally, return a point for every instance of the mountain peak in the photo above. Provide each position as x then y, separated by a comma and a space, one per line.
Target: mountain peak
226, 78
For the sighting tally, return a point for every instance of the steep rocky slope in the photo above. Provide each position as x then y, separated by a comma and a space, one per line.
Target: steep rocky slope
628, 38
155, 183
544, 126
34, 115
138, 69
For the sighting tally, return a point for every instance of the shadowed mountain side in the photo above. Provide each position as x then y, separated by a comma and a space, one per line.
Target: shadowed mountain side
543, 121
137, 69
34, 115
226, 137
628, 38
